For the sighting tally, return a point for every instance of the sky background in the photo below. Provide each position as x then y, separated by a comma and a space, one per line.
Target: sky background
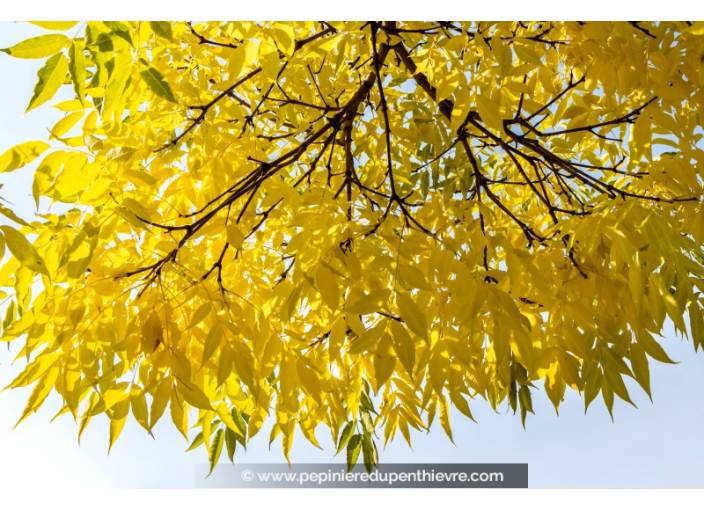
658, 445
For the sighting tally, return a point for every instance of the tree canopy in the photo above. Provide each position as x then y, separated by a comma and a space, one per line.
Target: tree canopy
350, 228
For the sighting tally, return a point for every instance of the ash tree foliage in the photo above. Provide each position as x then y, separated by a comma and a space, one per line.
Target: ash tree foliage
350, 228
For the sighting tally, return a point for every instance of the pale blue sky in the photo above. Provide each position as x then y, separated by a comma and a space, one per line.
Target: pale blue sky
657, 445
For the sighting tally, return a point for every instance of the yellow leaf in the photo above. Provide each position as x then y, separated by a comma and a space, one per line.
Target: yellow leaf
235, 237
413, 316
242, 59
21, 155
76, 175
368, 303
23, 251
527, 55
447, 85
118, 418
384, 361
490, 113
49, 80
404, 346
368, 339
326, 283
8, 213
55, 25
444, 415
337, 338
641, 136
138, 403
159, 401
64, 125
462, 107
224, 414
212, 342
38, 47
309, 378
194, 396
200, 314
179, 416
697, 28
39, 393
413, 276
285, 37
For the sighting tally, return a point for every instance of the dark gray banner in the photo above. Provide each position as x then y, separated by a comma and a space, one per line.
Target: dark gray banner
389, 476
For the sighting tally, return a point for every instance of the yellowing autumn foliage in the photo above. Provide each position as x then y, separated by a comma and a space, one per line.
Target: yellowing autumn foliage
349, 228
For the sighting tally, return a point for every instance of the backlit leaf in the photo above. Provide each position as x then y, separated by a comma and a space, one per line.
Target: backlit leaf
156, 82
50, 78
21, 155
39, 47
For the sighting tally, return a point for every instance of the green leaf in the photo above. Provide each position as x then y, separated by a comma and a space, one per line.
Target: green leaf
231, 442
241, 425
366, 402
216, 450
197, 441
345, 437
370, 454
367, 422
23, 250
21, 155
39, 47
353, 448
156, 82
162, 29
10, 312
235, 423
112, 101
50, 78
77, 68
